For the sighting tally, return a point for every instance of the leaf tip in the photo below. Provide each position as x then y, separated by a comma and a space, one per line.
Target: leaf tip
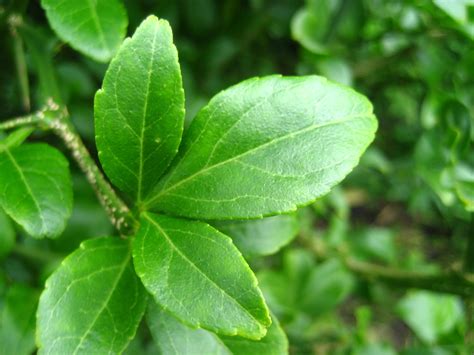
152, 18
155, 21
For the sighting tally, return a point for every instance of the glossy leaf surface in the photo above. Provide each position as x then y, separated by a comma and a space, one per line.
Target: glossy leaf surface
139, 112
94, 27
266, 146
35, 188
197, 274
173, 337
93, 302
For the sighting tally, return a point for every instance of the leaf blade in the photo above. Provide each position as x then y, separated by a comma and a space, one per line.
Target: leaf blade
107, 21
140, 107
174, 337
260, 236
7, 235
227, 169
35, 188
194, 253
17, 321
85, 295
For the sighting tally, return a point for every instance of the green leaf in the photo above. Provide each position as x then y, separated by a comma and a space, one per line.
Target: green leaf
458, 9
88, 218
7, 235
374, 244
93, 302
376, 349
197, 274
174, 337
266, 146
310, 24
335, 69
327, 286
274, 342
17, 322
261, 236
35, 188
303, 286
464, 185
94, 27
139, 112
430, 315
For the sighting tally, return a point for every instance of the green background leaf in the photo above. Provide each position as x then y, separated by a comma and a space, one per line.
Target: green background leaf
261, 236
94, 27
173, 337
309, 25
139, 112
430, 315
304, 287
197, 274
327, 286
17, 321
35, 188
266, 146
93, 302
7, 235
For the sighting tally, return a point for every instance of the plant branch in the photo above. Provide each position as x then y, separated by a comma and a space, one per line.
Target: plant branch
22, 121
457, 283
57, 119
469, 267
469, 256
454, 282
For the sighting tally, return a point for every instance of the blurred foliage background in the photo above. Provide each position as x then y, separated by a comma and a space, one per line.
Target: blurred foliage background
377, 266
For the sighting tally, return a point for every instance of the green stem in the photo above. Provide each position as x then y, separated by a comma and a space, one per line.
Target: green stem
117, 210
458, 283
469, 267
40, 50
20, 62
22, 121
469, 256
57, 119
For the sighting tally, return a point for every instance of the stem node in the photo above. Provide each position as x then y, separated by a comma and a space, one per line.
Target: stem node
56, 118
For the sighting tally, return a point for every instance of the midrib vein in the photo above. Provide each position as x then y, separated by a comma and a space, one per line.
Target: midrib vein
266, 144
30, 192
95, 18
193, 265
145, 109
123, 266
